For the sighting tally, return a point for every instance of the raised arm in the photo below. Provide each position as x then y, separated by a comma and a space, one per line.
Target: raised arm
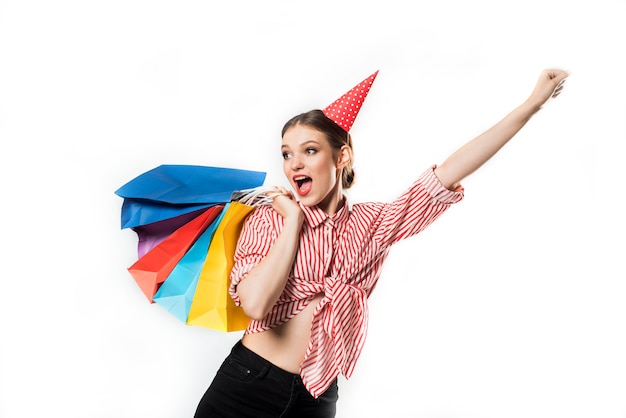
479, 150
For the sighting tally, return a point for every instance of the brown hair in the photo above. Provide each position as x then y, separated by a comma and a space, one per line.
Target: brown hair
335, 135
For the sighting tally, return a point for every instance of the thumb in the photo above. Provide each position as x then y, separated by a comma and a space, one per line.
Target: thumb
556, 76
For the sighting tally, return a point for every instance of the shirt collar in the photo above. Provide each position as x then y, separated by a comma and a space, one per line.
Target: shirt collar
315, 216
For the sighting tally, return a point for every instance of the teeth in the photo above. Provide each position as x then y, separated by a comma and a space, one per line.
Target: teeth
299, 180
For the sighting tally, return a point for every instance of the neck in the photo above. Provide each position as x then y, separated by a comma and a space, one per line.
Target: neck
333, 202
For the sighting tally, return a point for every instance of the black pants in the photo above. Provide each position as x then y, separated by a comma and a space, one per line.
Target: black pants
247, 385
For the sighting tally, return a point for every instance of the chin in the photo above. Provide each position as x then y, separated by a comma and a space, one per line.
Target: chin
309, 200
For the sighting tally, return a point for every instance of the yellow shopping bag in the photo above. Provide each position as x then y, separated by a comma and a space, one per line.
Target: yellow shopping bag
212, 307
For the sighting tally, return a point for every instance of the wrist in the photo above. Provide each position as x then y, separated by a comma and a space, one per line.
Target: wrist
531, 106
295, 219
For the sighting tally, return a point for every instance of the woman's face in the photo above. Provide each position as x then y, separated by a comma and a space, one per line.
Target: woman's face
313, 168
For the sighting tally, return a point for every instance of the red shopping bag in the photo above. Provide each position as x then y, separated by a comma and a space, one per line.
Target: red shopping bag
151, 270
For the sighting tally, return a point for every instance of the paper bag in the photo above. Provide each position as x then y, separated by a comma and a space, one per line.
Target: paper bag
212, 307
176, 292
170, 190
150, 235
153, 268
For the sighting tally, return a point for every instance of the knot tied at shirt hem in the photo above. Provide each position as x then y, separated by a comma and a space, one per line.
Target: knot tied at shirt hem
337, 335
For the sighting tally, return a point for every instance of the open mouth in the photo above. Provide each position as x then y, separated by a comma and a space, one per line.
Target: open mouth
303, 184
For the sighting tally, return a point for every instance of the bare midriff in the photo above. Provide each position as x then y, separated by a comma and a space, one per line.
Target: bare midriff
285, 345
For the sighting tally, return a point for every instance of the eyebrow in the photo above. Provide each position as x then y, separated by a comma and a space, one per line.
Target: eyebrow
304, 144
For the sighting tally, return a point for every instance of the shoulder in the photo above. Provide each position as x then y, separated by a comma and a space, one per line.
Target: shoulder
426, 189
366, 211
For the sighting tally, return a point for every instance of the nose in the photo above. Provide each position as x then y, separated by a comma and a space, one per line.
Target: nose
296, 163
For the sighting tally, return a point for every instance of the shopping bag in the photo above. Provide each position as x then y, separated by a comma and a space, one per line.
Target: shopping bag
170, 190
176, 292
153, 268
150, 235
138, 212
212, 307
184, 184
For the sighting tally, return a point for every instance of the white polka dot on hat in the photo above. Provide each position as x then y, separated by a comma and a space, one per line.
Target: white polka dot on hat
343, 111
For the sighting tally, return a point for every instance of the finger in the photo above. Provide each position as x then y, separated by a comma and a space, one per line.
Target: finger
558, 89
556, 77
555, 72
289, 195
274, 194
561, 76
556, 92
281, 191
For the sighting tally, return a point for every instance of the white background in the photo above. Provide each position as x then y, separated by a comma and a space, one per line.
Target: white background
512, 305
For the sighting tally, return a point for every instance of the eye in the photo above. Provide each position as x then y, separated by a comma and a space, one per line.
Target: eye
311, 150
286, 155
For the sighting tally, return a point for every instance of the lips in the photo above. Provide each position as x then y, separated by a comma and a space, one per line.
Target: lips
303, 184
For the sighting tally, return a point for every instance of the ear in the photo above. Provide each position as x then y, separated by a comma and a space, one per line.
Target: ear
344, 156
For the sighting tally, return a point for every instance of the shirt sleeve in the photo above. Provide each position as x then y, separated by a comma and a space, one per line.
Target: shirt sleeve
257, 237
415, 209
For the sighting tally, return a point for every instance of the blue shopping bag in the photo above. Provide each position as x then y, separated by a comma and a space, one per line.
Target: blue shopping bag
170, 190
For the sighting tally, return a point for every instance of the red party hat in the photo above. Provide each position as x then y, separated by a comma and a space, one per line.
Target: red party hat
343, 111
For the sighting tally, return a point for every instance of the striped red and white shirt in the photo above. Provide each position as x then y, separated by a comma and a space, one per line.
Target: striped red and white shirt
340, 256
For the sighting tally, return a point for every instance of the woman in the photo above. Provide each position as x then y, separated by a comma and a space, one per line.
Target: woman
304, 269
